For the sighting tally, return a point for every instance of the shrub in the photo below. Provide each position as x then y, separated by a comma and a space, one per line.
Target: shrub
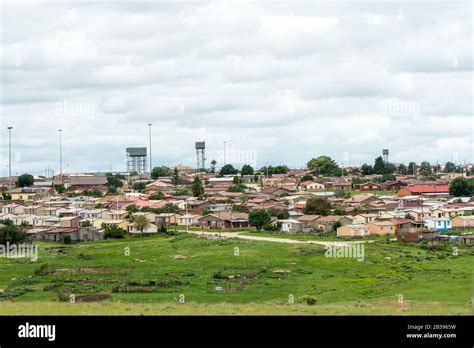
272, 227
41, 270
308, 299
67, 240
113, 232
163, 228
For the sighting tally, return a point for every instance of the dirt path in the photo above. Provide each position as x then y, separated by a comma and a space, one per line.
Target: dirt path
271, 239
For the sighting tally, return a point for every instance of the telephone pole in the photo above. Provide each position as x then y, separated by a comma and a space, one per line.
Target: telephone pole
60, 154
149, 132
10, 159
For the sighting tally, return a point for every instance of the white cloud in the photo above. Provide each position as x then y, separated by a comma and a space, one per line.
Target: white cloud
288, 80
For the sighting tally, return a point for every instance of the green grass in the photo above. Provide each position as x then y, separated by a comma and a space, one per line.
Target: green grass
255, 278
306, 236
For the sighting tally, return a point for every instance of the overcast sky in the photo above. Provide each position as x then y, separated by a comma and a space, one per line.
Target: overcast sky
279, 81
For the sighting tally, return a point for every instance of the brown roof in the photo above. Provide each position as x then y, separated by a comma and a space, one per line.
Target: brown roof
230, 216
305, 218
330, 218
83, 181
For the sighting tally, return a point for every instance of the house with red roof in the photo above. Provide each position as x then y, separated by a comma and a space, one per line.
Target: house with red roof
428, 190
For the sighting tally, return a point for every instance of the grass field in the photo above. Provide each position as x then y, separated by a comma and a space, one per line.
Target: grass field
187, 274
305, 236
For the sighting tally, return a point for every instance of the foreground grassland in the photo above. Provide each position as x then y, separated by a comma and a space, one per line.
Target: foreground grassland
186, 274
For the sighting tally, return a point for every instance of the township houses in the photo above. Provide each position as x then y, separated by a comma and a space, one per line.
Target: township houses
421, 210
438, 224
291, 226
368, 186
27, 194
326, 223
353, 230
360, 199
381, 228
159, 186
82, 182
167, 219
311, 185
426, 190
57, 234
342, 186
224, 220
310, 222
463, 221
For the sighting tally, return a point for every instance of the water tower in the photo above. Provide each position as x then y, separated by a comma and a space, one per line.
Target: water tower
385, 155
201, 154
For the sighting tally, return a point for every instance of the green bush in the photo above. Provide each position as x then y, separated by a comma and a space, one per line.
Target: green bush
310, 300
67, 240
113, 232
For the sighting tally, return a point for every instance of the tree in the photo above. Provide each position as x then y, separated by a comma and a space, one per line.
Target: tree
113, 231
461, 187
228, 169
425, 168
339, 211
449, 167
86, 223
336, 225
60, 188
236, 180
317, 206
132, 209
141, 222
389, 168
114, 182
307, 177
388, 177
402, 169
280, 214
247, 169
213, 166
160, 171
356, 181
139, 186
379, 165
323, 165
176, 176
258, 218
25, 180
367, 169
11, 234
281, 169
197, 188
412, 167
157, 196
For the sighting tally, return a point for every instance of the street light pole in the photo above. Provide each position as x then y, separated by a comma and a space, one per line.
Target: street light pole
60, 154
225, 157
9, 160
149, 129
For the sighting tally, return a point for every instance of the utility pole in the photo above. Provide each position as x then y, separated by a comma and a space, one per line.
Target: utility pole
149, 134
10, 160
225, 157
60, 154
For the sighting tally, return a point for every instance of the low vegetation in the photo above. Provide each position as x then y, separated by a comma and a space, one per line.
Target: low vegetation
189, 274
